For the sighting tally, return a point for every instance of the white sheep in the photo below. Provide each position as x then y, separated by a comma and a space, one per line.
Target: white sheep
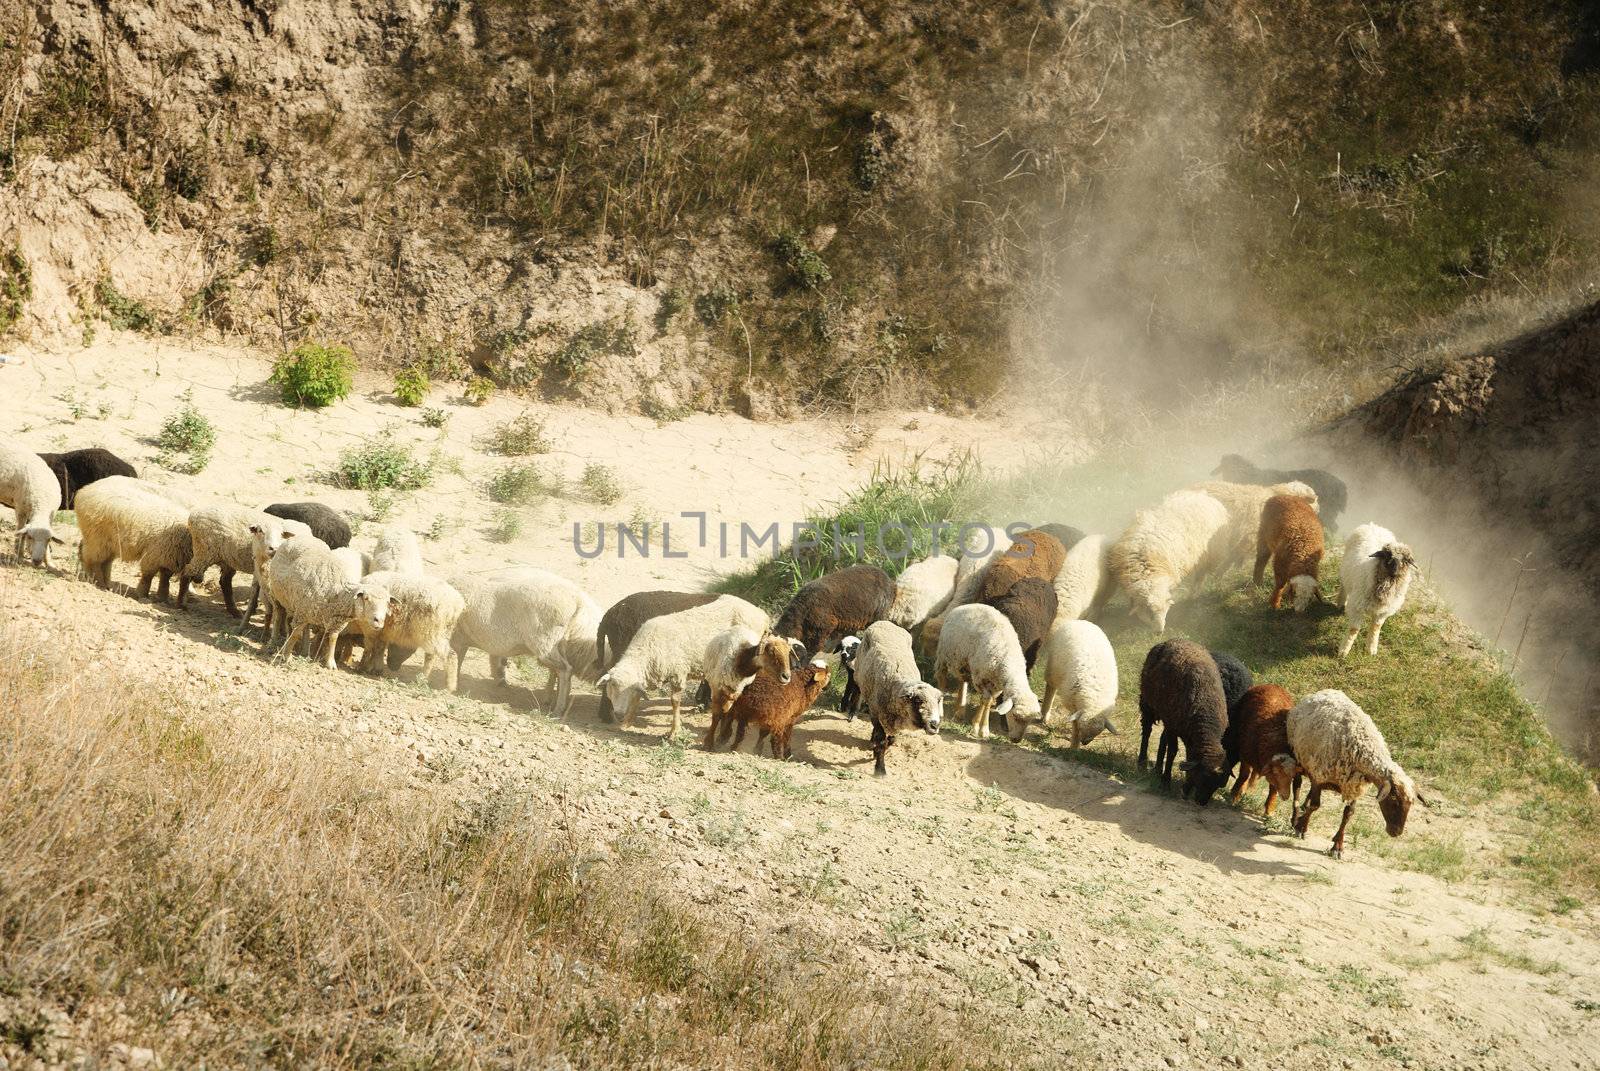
979, 647
923, 589
1084, 581
669, 651
892, 688
265, 538
1161, 548
1374, 576
1080, 668
397, 551
982, 544
222, 536
1244, 502
732, 660
121, 519
533, 613
313, 589
408, 610
31, 489
1338, 747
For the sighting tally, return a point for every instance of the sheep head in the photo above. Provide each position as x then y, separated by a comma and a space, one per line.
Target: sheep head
813, 678
847, 649
374, 604
1086, 729
1394, 799
1202, 779
927, 708
1302, 589
38, 541
776, 656
1394, 560
1152, 601
1020, 711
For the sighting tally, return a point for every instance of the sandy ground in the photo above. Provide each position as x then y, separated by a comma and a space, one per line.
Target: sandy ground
1102, 921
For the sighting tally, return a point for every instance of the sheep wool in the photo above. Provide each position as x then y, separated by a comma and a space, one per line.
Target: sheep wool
311, 588
978, 647
76, 469
1290, 535
532, 613
1161, 547
408, 610
1083, 580
122, 519
1244, 503
1374, 577
1338, 747
30, 488
397, 551
221, 535
1080, 670
893, 690
922, 590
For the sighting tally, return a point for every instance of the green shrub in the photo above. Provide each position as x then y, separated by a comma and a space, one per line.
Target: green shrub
315, 375
521, 485
713, 306
411, 386
433, 417
382, 464
16, 287
507, 526
186, 438
602, 483
478, 391
122, 312
805, 266
518, 437
616, 335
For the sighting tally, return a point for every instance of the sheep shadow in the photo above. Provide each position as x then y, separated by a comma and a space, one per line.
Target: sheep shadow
266, 392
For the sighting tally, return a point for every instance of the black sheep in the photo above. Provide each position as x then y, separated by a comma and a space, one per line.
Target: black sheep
1236, 680
1331, 493
622, 621
1067, 535
79, 468
1180, 687
832, 607
1030, 606
325, 522
850, 698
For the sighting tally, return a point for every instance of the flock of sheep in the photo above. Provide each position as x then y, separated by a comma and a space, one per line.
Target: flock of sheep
985, 617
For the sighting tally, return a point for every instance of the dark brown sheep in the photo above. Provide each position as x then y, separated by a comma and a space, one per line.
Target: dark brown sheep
832, 607
1290, 535
1034, 553
79, 468
622, 621
1181, 688
1260, 723
775, 708
1030, 606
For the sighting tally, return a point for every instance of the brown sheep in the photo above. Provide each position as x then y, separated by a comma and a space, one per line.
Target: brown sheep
1034, 553
1260, 723
1291, 535
774, 707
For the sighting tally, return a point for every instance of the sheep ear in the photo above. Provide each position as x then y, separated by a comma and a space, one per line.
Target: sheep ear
394, 603
1386, 788
1111, 727
58, 541
1386, 554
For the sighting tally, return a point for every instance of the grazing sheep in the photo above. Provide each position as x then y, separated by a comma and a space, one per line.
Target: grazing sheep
29, 487
1163, 546
775, 707
397, 551
265, 538
1373, 580
829, 608
731, 662
892, 688
534, 613
1030, 606
619, 624
1260, 724
981, 545
1244, 503
922, 590
1290, 535
1065, 534
409, 610
1084, 582
1081, 668
669, 651
324, 522
1236, 677
313, 588
76, 469
978, 647
1180, 687
1033, 554
223, 536
120, 519
850, 697
1331, 493
1338, 747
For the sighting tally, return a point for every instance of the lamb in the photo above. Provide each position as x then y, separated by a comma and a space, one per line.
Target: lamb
1290, 534
731, 662
119, 518
1083, 584
922, 590
1338, 747
534, 613
1030, 606
29, 487
978, 647
1331, 492
829, 608
1180, 687
76, 469
1163, 546
1244, 503
669, 651
774, 707
1033, 554
1081, 668
850, 697
313, 588
223, 536
324, 522
1373, 580
893, 690
1260, 724
405, 609
396, 551
619, 624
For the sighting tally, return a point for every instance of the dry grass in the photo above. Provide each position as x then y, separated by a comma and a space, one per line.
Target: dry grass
230, 898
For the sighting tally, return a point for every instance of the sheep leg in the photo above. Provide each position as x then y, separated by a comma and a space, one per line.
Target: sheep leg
1303, 819
1044, 707
1262, 554
880, 745
981, 720
738, 738
145, 580
1349, 641
1277, 594
330, 642
164, 591
632, 712
291, 643
1240, 783
677, 715
719, 708
255, 600
1337, 851
225, 582
1272, 799
1167, 754
452, 676
563, 693
1372, 640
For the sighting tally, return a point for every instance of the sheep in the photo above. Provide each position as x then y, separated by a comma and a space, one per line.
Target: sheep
75, 469
1290, 534
1336, 746
1030, 606
922, 590
397, 551
1083, 584
419, 612
775, 707
850, 697
314, 588
223, 536
1163, 546
1033, 554
981, 545
893, 689
119, 518
1064, 534
732, 660
829, 608
668, 651
1244, 503
1180, 687
534, 613
978, 647
619, 624
265, 538
324, 522
1081, 668
1373, 580
1236, 678
1331, 492
1259, 722
29, 487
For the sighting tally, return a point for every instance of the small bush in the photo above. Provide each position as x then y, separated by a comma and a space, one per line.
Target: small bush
519, 437
805, 266
315, 375
521, 484
122, 312
434, 418
441, 527
617, 335
478, 391
382, 464
16, 287
713, 306
507, 526
186, 438
602, 483
411, 386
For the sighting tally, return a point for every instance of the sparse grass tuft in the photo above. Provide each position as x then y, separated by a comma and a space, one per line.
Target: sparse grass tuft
518, 437
521, 484
434, 417
507, 526
601, 483
411, 386
186, 438
382, 464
